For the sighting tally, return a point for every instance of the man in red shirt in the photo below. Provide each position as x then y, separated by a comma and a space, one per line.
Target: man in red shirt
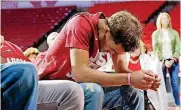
75, 55
19, 85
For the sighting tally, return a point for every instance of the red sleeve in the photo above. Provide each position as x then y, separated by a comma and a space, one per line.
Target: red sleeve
40, 58
79, 33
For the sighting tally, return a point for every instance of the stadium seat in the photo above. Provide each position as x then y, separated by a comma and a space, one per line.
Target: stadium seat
25, 26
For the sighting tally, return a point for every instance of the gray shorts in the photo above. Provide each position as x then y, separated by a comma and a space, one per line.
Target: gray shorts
60, 95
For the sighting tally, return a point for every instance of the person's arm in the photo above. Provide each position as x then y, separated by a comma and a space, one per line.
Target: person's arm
82, 73
120, 64
177, 49
78, 37
177, 46
155, 44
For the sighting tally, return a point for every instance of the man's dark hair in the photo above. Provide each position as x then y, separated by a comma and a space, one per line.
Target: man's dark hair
125, 29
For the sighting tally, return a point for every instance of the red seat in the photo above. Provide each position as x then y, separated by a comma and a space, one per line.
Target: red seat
25, 26
141, 9
175, 17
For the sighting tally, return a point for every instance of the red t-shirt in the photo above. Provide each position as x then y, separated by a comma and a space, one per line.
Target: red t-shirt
134, 67
12, 53
81, 31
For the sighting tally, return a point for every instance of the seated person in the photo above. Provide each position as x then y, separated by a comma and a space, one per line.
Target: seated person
75, 55
19, 83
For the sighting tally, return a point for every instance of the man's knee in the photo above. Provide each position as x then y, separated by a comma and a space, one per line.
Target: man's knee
74, 95
19, 79
22, 72
21, 69
75, 90
97, 89
61, 92
93, 90
29, 74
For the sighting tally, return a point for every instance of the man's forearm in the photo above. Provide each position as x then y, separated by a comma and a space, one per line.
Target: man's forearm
105, 79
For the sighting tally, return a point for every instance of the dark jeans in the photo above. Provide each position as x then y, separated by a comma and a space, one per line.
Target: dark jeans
19, 86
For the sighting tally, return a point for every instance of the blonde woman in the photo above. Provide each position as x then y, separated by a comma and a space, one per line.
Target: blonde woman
166, 44
31, 53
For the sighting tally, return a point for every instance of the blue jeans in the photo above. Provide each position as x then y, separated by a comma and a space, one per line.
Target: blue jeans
19, 86
128, 97
173, 71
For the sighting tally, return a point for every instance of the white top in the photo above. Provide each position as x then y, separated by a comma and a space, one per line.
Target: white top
158, 98
166, 45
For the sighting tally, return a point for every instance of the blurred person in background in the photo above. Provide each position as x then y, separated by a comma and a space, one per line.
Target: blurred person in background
138, 60
19, 82
166, 44
51, 37
74, 55
32, 53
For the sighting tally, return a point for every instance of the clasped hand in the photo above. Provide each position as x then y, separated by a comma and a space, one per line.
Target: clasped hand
145, 80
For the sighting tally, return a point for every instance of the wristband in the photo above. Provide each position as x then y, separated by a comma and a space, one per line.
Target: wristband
129, 78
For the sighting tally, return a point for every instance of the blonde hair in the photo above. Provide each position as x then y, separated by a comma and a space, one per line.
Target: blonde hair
31, 51
158, 22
